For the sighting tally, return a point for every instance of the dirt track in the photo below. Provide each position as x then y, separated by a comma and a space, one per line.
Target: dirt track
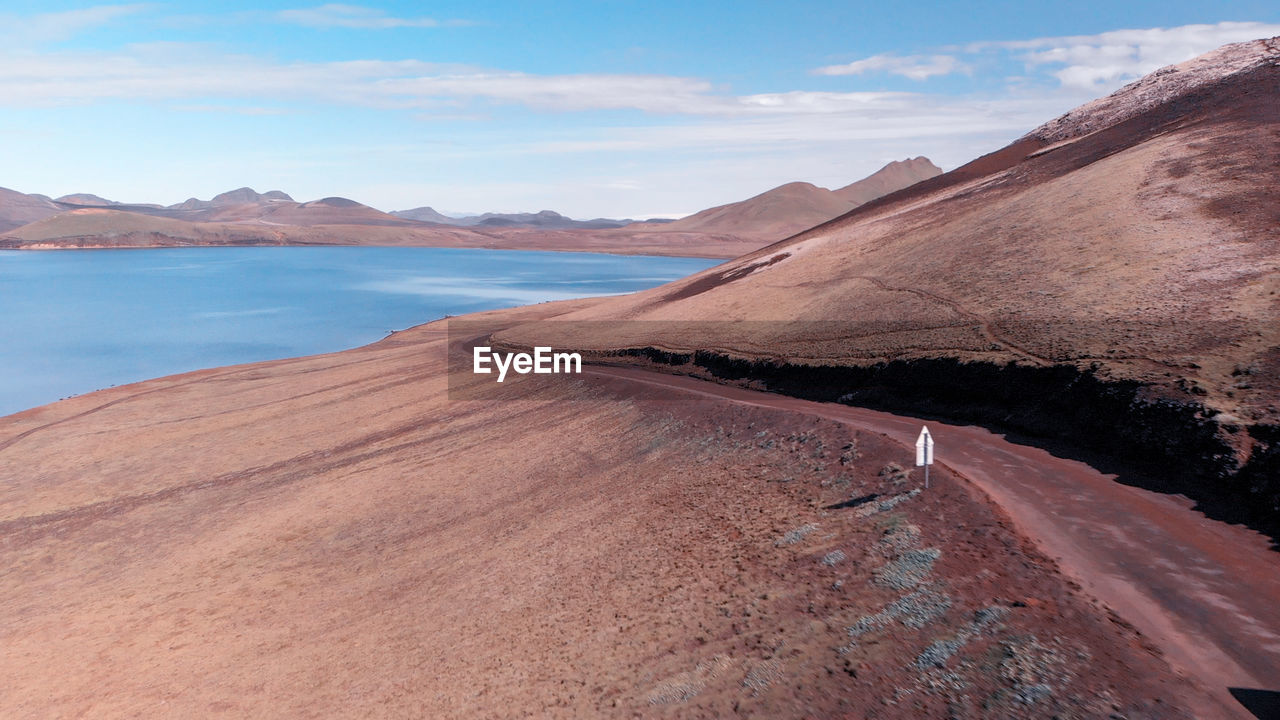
1208, 594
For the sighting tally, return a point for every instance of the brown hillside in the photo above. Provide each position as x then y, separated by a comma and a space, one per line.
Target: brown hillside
335, 537
18, 209
772, 214
1114, 277
790, 208
114, 228
890, 178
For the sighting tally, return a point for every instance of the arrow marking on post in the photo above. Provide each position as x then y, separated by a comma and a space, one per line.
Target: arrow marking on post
924, 452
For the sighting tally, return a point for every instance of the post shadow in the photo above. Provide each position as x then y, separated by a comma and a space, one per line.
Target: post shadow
1264, 704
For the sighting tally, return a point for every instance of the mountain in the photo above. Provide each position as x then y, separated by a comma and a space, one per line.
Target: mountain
1111, 279
797, 206
239, 196
18, 209
319, 536
772, 214
242, 205
111, 227
356, 224
723, 232
890, 178
245, 196
425, 214
86, 199
325, 211
546, 219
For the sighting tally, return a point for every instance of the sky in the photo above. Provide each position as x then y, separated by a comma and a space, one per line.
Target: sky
593, 109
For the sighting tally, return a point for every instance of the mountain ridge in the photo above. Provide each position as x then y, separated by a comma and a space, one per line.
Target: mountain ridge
725, 231
789, 208
1124, 281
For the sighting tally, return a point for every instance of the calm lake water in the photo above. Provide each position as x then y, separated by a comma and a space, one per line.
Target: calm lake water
73, 321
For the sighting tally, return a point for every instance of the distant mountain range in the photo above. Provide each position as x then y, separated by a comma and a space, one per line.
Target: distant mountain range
546, 219
243, 205
277, 207
246, 217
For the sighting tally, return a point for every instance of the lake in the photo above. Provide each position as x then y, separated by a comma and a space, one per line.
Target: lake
74, 321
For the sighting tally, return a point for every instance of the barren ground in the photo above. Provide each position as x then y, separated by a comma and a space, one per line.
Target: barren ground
330, 536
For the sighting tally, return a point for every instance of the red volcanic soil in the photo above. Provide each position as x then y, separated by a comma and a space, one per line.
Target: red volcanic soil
1206, 593
333, 537
1112, 278
336, 536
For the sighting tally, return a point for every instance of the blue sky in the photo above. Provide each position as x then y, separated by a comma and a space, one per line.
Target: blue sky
633, 109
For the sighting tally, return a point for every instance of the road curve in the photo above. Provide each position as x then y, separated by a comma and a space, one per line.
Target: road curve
1205, 592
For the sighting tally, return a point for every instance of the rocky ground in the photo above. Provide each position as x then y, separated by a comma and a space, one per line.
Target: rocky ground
332, 536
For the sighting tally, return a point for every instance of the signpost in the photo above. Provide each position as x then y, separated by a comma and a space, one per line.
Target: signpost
924, 452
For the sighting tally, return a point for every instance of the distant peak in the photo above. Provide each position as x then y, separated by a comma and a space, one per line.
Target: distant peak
236, 197
85, 199
336, 202
918, 162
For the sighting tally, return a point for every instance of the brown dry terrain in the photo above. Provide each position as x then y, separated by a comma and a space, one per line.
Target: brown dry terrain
791, 208
1112, 279
889, 179
18, 209
1206, 593
245, 217
332, 537
335, 536
111, 228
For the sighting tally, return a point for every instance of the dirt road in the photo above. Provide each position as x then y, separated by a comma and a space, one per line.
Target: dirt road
1206, 593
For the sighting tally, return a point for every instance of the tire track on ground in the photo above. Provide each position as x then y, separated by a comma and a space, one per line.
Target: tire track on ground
983, 324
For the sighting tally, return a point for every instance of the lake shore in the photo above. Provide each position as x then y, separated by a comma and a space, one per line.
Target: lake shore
78, 321
622, 241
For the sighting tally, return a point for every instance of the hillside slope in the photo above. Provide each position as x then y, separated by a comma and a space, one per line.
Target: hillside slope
1112, 278
18, 209
335, 536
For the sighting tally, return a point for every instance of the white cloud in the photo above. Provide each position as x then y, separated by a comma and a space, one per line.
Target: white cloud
650, 93
51, 27
1096, 62
176, 71
1078, 62
902, 116
170, 71
708, 144
915, 67
354, 16
229, 109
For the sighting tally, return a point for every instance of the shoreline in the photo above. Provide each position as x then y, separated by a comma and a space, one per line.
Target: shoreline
620, 242
589, 251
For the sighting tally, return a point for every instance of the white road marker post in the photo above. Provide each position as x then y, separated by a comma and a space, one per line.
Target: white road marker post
924, 452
